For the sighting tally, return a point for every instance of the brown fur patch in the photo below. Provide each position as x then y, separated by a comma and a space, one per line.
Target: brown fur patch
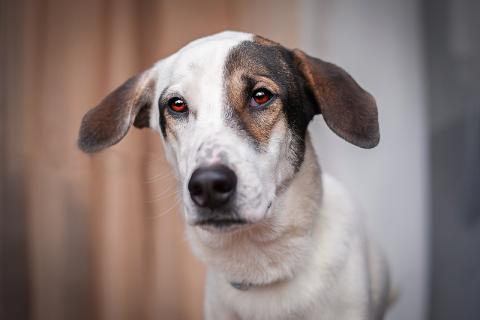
305, 86
257, 122
251, 66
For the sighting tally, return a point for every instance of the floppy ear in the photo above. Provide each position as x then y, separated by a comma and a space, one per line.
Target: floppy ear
107, 123
348, 110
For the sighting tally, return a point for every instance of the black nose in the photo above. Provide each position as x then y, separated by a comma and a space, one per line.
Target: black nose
212, 186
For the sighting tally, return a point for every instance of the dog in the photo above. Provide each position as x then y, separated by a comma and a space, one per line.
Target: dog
280, 239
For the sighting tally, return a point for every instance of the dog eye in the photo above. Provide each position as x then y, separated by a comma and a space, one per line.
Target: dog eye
260, 97
177, 105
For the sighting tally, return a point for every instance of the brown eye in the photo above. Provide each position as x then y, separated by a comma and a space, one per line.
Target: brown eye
260, 97
177, 105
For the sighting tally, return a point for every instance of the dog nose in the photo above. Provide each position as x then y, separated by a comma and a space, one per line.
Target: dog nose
212, 186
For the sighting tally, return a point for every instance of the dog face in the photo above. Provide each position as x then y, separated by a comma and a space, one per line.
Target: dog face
233, 111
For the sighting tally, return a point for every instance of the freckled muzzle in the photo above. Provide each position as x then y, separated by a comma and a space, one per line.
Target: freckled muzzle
212, 186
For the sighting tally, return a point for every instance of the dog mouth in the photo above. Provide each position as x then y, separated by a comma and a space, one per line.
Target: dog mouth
221, 224
225, 222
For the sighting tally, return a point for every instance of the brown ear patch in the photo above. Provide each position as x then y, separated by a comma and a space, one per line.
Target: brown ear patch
107, 123
348, 110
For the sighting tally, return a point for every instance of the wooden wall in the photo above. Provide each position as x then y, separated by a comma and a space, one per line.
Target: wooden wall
98, 237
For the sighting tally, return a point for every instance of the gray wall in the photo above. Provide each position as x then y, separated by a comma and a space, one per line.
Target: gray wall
379, 43
452, 36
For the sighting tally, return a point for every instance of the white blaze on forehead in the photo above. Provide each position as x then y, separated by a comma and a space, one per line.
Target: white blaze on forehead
227, 36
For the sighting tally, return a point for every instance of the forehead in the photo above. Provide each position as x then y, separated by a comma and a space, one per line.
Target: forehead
206, 55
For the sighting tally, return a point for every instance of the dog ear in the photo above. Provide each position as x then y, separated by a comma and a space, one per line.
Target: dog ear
348, 110
107, 123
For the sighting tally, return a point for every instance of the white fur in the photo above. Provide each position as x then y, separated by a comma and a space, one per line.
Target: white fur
313, 257
308, 255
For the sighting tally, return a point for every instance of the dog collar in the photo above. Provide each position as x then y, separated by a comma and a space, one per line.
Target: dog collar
243, 286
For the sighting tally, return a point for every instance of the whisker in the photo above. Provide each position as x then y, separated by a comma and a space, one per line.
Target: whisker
169, 210
168, 189
165, 191
163, 197
159, 177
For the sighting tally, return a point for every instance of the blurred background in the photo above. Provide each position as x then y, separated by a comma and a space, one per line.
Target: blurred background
102, 237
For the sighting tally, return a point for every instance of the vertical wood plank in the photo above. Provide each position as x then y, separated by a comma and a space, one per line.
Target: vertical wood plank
14, 254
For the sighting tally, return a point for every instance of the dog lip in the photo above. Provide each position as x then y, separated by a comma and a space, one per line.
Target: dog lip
227, 225
221, 222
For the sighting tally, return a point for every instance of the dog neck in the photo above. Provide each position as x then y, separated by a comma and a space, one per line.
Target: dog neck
274, 250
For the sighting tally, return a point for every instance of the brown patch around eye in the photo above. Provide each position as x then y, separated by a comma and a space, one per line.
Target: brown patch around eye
258, 123
249, 67
263, 63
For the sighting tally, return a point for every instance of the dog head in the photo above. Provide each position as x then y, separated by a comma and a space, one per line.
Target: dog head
233, 111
